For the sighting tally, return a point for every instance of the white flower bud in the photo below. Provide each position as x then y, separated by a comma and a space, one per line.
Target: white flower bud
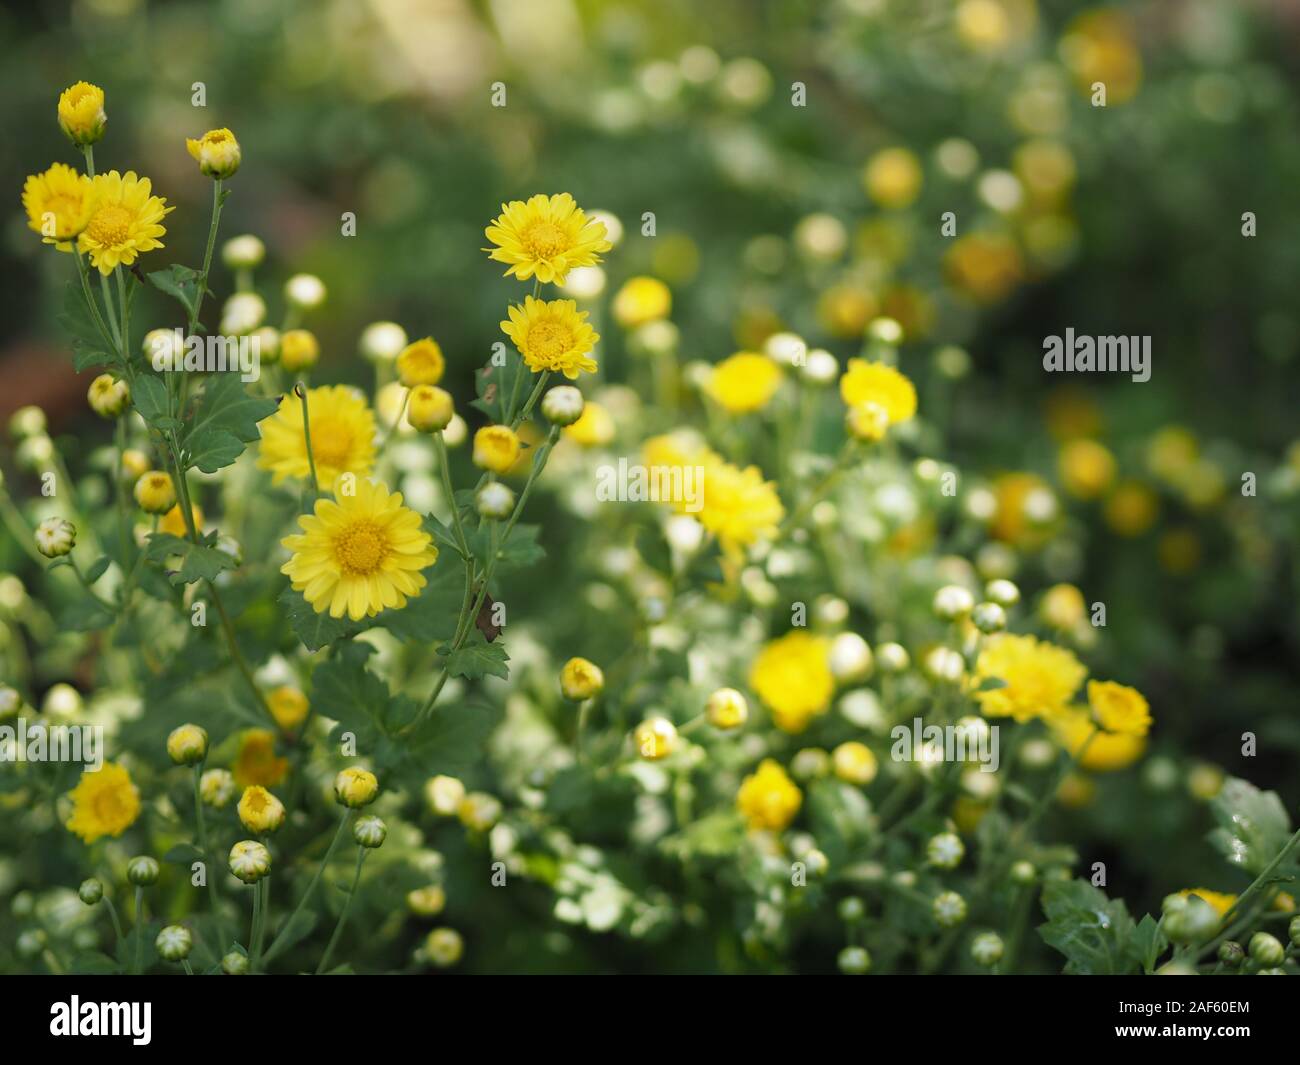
949, 909
986, 949
952, 602
305, 291
892, 658
243, 253
174, 943
821, 368
989, 617
242, 313
383, 341
495, 500
55, 537
850, 658
562, 405
945, 851
370, 832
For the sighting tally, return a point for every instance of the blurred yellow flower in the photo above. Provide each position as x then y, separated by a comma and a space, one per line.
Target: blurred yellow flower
1087, 468
744, 382
256, 762
81, 112
173, 522
259, 810
792, 676
299, 350
552, 335
1119, 709
1062, 606
1131, 509
59, 204
985, 266
1220, 900
1026, 508
288, 706
594, 427
1040, 678
217, 153
641, 300
892, 177
355, 787
1105, 751
581, 679
127, 221
875, 382
342, 436
547, 236
855, 763
845, 309
104, 803
359, 554
421, 363
1099, 47
768, 798
739, 507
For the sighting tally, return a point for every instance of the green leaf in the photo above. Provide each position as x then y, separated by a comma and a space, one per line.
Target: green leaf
298, 928
477, 659
94, 963
199, 562
1095, 933
151, 400
179, 282
85, 615
443, 535
1253, 825
89, 347
991, 684
344, 690
225, 421
313, 629
1148, 943
184, 854
97, 569
453, 737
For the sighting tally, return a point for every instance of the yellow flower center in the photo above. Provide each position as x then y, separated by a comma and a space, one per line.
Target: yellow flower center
110, 226
108, 806
544, 239
331, 442
549, 340
360, 548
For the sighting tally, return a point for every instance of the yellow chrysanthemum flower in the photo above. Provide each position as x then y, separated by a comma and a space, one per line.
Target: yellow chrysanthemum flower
342, 436
1119, 708
173, 522
768, 798
744, 382
359, 555
581, 679
59, 204
127, 220
1105, 751
552, 335
259, 810
641, 300
104, 803
1220, 900
421, 363
1040, 677
299, 350
257, 762
739, 506
792, 676
496, 448
547, 236
874, 382
81, 112
288, 706
594, 427
217, 153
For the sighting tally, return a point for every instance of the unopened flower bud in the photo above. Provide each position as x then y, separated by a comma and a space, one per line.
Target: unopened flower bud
250, 861
187, 745
429, 409
945, 851
235, 964
854, 961
1003, 592
989, 617
142, 871
655, 738
562, 405
217, 788
726, 708
1266, 949
305, 291
155, 493
426, 901
299, 350
27, 422
952, 602
108, 397
355, 787
443, 947
496, 448
174, 943
382, 341
495, 501
243, 253
850, 658
91, 891
892, 658
444, 795
581, 679
1232, 954
81, 113
217, 153
260, 811
949, 909
55, 537
370, 832
986, 949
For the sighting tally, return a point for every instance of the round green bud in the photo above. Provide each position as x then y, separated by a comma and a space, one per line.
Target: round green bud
142, 871
90, 892
370, 832
1231, 953
234, 964
174, 943
851, 909
854, 961
986, 948
1266, 949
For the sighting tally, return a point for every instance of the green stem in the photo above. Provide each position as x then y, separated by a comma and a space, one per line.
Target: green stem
139, 928
300, 390
343, 917
217, 200
255, 931
207, 857
388, 432
276, 944
440, 446
112, 916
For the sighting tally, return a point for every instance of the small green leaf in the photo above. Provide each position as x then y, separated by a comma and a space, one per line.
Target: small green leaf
225, 421
179, 282
183, 854
89, 346
1253, 825
315, 630
476, 660
97, 569
151, 400
1094, 933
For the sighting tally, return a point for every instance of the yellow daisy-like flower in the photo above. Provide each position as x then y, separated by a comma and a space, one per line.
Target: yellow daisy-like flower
739, 506
1040, 678
1105, 752
421, 363
744, 382
59, 204
288, 706
217, 153
127, 220
641, 300
875, 382
792, 676
359, 555
768, 798
594, 427
342, 436
173, 522
547, 236
552, 335
257, 762
104, 803
81, 112
1120, 709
